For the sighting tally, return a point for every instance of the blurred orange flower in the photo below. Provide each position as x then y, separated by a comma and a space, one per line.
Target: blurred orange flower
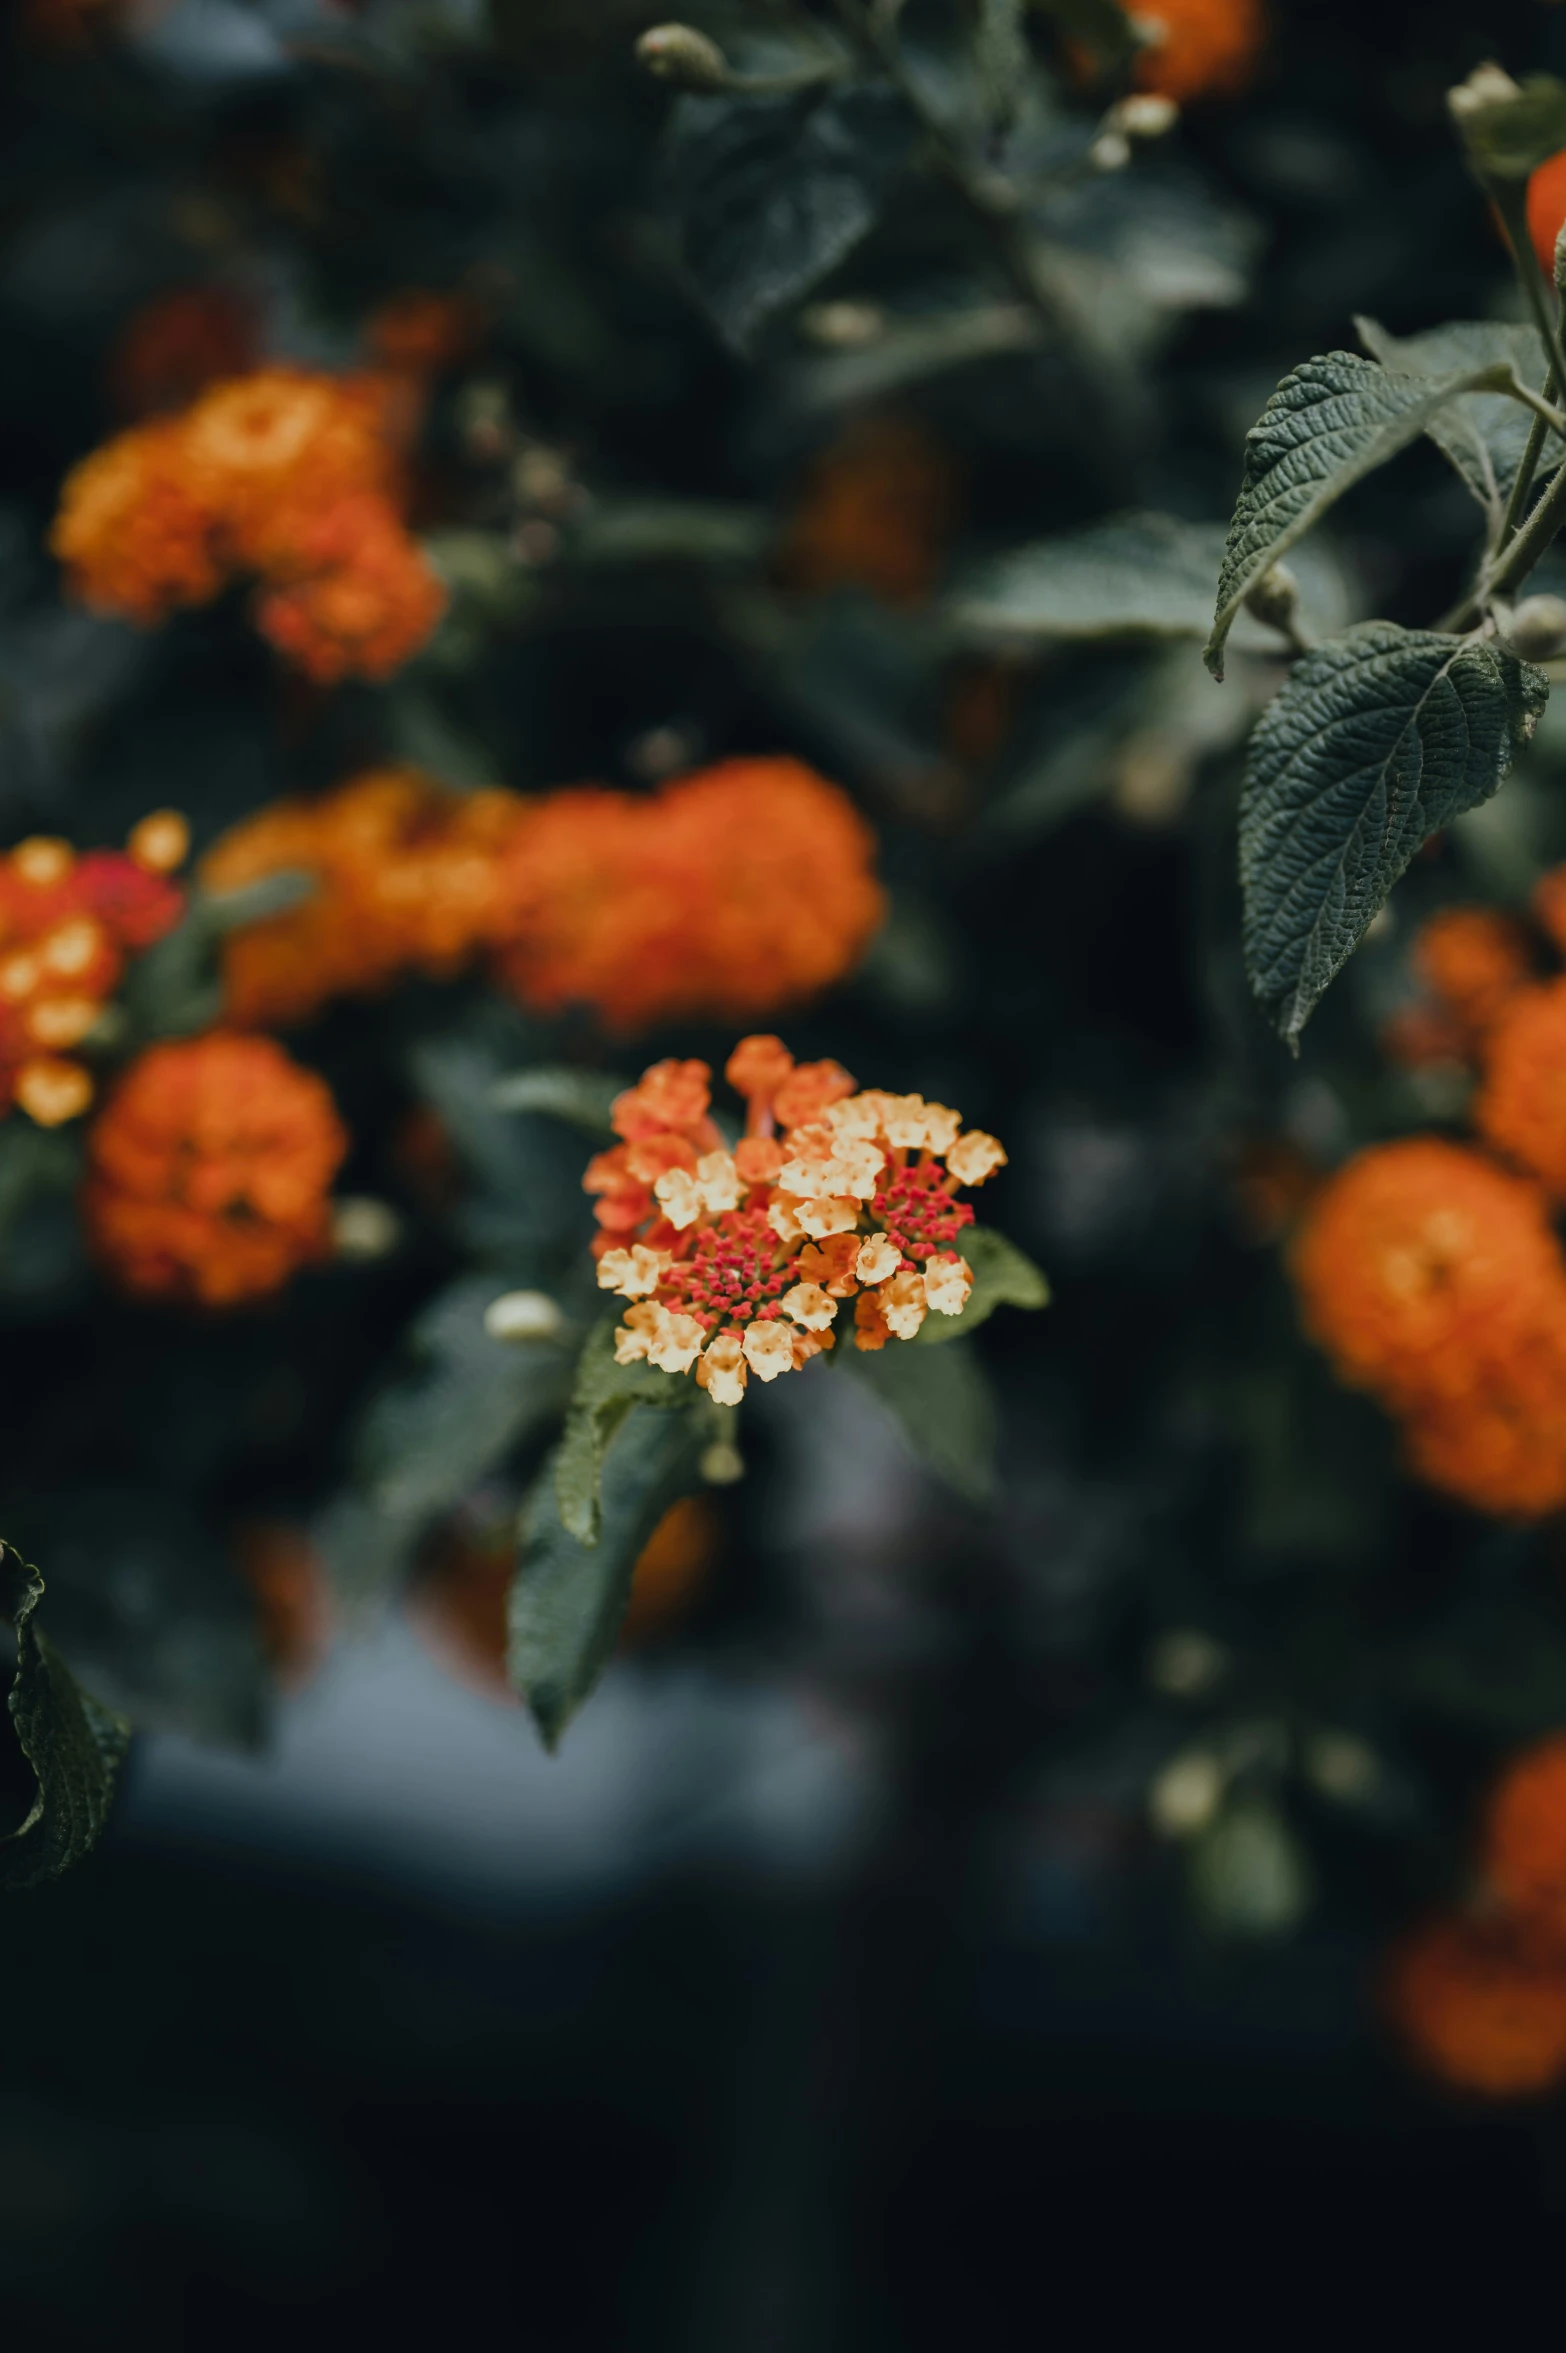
282, 474
1521, 1104
1474, 960
284, 1572
209, 1169
1479, 2010
1523, 1847
67, 925
420, 333
408, 876
1203, 49
1547, 210
733, 893
876, 512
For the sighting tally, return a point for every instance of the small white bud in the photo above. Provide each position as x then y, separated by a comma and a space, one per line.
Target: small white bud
1275, 598
1146, 114
679, 54
1488, 85
1186, 1795
1537, 629
1342, 1766
364, 1228
1186, 1663
1110, 152
722, 1463
522, 1315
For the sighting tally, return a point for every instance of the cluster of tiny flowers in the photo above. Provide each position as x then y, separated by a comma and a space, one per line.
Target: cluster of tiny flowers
208, 1171
1479, 1996
738, 1262
285, 476
409, 877
1430, 1270
67, 925
727, 895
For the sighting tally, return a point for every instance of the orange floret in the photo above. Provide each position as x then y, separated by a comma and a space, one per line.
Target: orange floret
737, 891
1206, 48
1474, 960
1547, 209
209, 1169
1524, 1840
420, 333
1498, 1444
1478, 2010
174, 347
1521, 1105
285, 475
736, 1263
876, 512
1416, 1256
408, 877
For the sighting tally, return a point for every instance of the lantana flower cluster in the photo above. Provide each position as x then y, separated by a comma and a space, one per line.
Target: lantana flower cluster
735, 891
1479, 1996
68, 924
1431, 1270
738, 1262
285, 476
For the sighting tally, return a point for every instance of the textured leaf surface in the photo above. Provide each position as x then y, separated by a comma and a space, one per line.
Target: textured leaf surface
1003, 1276
569, 1597
1327, 426
74, 1746
1141, 575
1377, 741
601, 1399
943, 1403
771, 193
1483, 434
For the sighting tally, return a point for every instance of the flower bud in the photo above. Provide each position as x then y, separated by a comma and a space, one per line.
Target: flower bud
364, 1228
522, 1315
1488, 85
1275, 598
722, 1463
1110, 152
1145, 114
679, 54
1537, 629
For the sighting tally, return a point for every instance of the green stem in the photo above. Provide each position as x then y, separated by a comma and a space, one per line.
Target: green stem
1510, 198
1526, 471
1513, 568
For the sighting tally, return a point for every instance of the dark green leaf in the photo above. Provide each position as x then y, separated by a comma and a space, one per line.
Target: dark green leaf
1143, 575
569, 1597
583, 1098
771, 193
668, 531
601, 1399
943, 1403
1377, 741
176, 988
1002, 1277
1000, 54
429, 1437
1483, 434
1100, 25
1327, 426
74, 1746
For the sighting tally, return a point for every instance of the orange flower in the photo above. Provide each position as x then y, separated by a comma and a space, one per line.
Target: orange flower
1524, 1840
419, 333
877, 511
284, 1572
1549, 901
737, 891
209, 1168
1474, 960
1478, 2010
1499, 1445
408, 876
67, 924
1417, 1255
1205, 49
1547, 210
734, 1268
1521, 1106
282, 474
173, 348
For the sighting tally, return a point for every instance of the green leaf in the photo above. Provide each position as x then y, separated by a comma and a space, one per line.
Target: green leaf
1100, 25
74, 1746
1483, 434
583, 1098
569, 1597
1327, 426
1002, 1277
771, 193
942, 1402
601, 1399
1138, 575
1377, 741
1002, 60
431, 1435
668, 531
